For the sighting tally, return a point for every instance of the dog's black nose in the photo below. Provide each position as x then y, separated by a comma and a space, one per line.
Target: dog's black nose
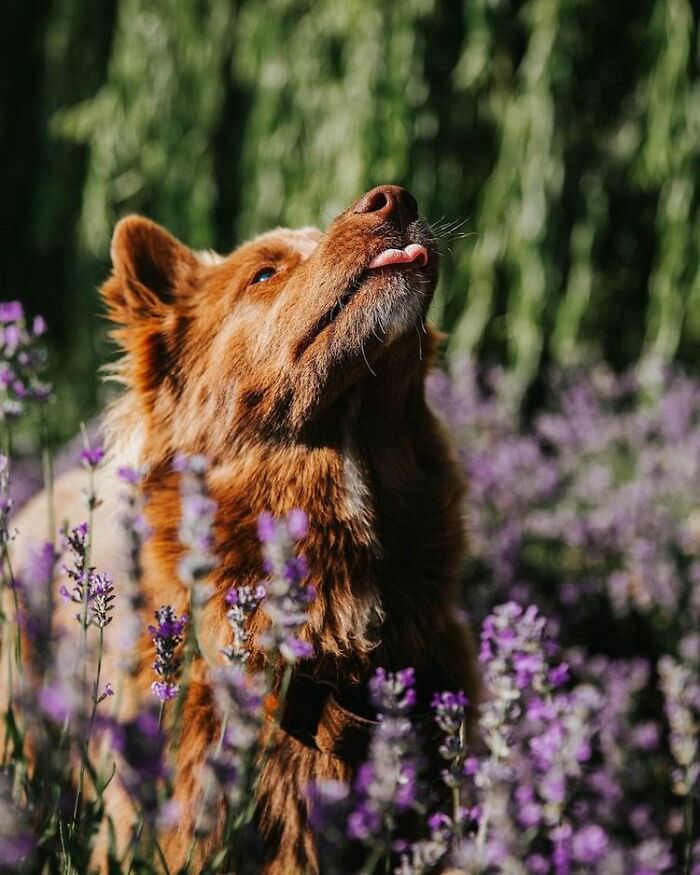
389, 202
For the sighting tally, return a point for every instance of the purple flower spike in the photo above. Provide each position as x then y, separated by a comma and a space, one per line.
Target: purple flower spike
11, 311
131, 476
589, 844
35, 586
135, 532
240, 696
386, 783
39, 326
293, 649
197, 523
287, 598
106, 693
164, 691
91, 589
167, 636
297, 524
450, 716
242, 602
141, 744
54, 702
17, 840
21, 361
559, 675
267, 528
91, 457
681, 690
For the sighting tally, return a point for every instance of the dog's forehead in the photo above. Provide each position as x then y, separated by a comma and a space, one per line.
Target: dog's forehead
301, 240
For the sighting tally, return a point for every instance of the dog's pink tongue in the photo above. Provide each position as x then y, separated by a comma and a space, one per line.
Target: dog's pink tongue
413, 252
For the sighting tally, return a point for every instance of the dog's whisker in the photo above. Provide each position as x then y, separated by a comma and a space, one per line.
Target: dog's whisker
364, 356
420, 345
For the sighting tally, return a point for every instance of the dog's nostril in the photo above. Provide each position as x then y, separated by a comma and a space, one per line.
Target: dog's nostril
389, 200
374, 201
378, 202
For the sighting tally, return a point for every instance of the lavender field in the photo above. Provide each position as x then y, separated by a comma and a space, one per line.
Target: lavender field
582, 584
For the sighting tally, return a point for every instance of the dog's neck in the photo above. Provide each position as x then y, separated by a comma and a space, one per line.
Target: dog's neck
384, 528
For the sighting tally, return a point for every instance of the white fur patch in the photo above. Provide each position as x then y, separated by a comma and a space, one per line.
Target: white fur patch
356, 490
209, 257
358, 497
401, 310
125, 433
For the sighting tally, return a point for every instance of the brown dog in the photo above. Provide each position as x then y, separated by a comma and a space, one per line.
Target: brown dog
296, 365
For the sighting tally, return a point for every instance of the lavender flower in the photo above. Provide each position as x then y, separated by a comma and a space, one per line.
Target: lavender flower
230, 763
197, 524
166, 636
91, 457
55, 704
681, 691
450, 714
325, 796
11, 311
537, 737
17, 842
607, 481
589, 844
511, 654
422, 857
651, 856
5, 501
287, 599
164, 691
240, 696
91, 589
141, 744
107, 692
64, 693
136, 531
35, 587
21, 361
40, 564
386, 783
242, 602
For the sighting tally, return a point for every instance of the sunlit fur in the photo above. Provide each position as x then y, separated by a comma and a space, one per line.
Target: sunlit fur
301, 398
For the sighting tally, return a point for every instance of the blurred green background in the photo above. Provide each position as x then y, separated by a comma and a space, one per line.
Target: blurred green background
561, 136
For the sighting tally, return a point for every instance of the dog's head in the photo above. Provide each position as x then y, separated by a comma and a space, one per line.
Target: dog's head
277, 334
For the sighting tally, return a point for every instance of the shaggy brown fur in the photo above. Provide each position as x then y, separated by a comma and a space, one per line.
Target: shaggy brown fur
305, 391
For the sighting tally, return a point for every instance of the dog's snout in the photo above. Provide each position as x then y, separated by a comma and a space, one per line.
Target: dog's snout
389, 202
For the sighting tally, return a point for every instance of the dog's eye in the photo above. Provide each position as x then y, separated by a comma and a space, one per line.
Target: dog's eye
264, 274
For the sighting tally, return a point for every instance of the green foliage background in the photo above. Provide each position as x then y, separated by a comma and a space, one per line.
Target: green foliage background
564, 134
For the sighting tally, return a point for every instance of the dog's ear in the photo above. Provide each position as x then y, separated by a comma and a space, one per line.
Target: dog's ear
151, 268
